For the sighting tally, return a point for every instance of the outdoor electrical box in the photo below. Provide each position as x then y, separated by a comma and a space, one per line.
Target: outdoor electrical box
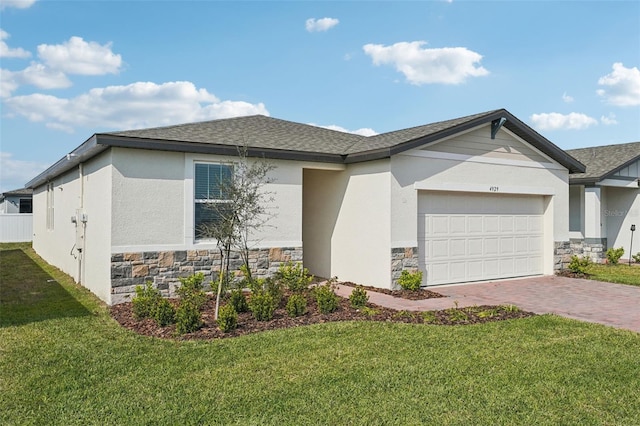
80, 221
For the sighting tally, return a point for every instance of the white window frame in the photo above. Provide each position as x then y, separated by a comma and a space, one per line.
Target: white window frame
209, 200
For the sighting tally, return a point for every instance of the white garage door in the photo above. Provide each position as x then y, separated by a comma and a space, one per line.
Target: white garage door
471, 237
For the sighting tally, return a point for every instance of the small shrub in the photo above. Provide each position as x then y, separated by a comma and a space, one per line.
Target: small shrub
579, 265
274, 288
227, 318
410, 280
509, 308
370, 312
296, 305
358, 297
457, 315
191, 290
145, 301
614, 255
429, 317
326, 298
188, 317
164, 313
262, 305
636, 257
238, 300
404, 314
294, 277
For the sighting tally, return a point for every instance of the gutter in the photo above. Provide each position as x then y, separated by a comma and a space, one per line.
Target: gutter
87, 150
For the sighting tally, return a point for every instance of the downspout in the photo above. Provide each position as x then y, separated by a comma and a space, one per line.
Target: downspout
81, 223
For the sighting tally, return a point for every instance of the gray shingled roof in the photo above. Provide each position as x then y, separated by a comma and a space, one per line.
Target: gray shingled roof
602, 161
391, 139
255, 131
21, 191
281, 139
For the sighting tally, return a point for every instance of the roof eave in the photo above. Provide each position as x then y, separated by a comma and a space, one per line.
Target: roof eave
87, 150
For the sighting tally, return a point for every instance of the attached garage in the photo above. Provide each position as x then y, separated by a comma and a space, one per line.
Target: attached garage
466, 236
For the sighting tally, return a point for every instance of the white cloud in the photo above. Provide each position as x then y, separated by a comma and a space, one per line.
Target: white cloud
622, 86
609, 120
365, 131
43, 77
15, 173
18, 4
566, 98
323, 24
447, 65
8, 83
557, 121
8, 52
137, 105
76, 56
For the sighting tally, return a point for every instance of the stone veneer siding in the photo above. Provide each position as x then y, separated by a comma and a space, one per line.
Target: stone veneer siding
594, 248
403, 259
164, 268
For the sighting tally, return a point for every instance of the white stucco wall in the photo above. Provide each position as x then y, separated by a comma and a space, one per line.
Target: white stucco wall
148, 200
96, 268
361, 250
621, 209
56, 245
421, 170
153, 201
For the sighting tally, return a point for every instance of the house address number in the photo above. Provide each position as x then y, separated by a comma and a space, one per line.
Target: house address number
493, 189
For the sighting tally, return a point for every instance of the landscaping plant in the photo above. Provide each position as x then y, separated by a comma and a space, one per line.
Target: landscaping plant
326, 298
296, 305
636, 257
145, 301
262, 305
579, 265
188, 317
294, 277
238, 300
614, 255
191, 290
358, 297
164, 313
410, 280
227, 318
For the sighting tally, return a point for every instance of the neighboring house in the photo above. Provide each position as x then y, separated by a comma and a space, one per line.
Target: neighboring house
16, 201
475, 198
604, 201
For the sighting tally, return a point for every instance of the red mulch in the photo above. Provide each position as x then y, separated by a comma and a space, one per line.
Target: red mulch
419, 294
567, 273
247, 324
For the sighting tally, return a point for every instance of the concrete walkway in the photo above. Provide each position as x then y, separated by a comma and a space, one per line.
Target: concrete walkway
610, 304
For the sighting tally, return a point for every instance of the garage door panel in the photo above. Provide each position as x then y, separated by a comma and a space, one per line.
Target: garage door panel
457, 248
472, 237
474, 224
440, 249
491, 245
474, 246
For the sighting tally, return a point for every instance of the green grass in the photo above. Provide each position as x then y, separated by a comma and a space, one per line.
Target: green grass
621, 273
71, 364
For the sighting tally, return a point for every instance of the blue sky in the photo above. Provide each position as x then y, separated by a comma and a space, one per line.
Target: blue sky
73, 68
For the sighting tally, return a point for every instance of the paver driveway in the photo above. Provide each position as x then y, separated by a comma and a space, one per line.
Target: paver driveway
616, 305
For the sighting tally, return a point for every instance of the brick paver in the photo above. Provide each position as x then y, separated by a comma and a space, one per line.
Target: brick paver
616, 305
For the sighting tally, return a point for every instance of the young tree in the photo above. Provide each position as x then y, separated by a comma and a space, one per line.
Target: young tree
241, 210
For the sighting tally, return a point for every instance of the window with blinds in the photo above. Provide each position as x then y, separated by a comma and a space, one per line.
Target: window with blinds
209, 185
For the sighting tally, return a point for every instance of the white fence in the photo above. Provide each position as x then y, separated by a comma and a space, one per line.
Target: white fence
15, 227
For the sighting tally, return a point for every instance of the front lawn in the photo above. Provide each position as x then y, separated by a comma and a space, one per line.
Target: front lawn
63, 360
621, 273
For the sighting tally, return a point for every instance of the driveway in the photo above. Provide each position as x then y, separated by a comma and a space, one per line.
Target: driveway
616, 305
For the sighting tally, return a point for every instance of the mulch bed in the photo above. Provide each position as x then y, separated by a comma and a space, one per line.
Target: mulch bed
123, 314
568, 274
420, 294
